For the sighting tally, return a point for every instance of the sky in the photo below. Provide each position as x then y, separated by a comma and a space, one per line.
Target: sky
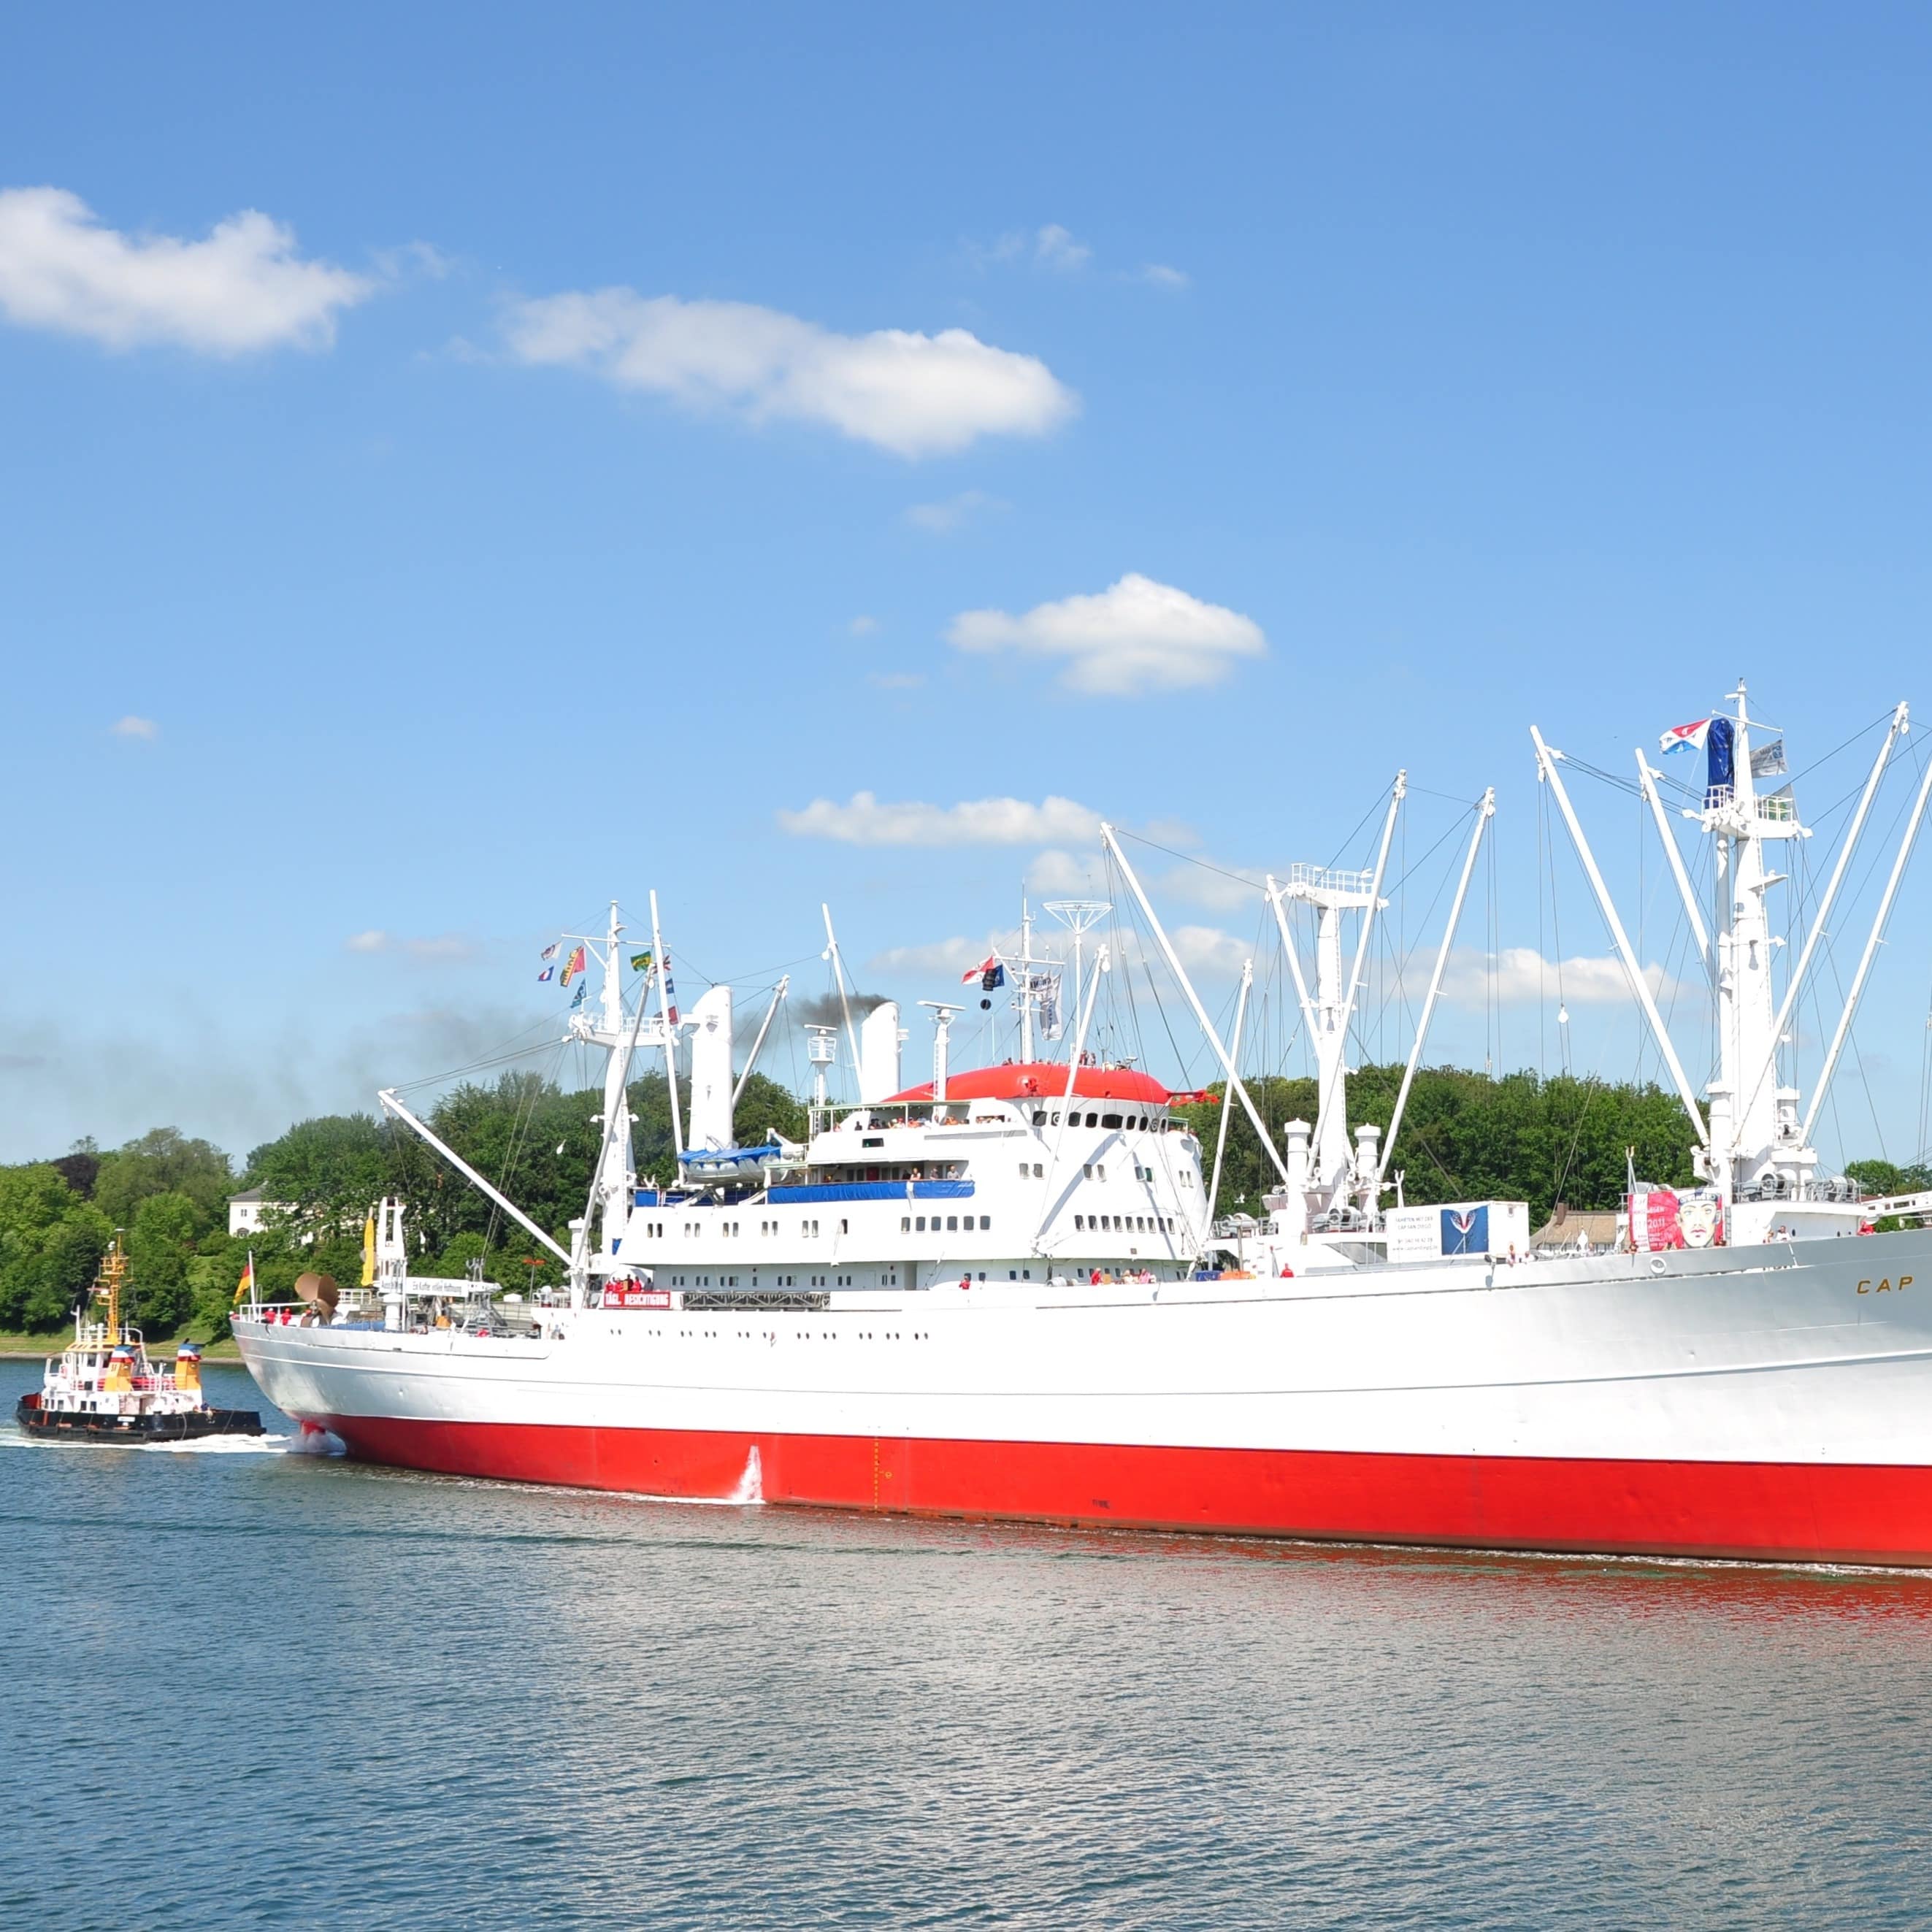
461, 466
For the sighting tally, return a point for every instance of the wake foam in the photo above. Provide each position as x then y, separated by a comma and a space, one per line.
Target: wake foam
752, 1484
225, 1445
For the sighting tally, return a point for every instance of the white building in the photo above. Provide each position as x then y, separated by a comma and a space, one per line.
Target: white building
247, 1211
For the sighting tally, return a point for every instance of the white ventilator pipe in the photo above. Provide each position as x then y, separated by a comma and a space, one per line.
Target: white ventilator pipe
1194, 1000
1898, 865
391, 1105
1485, 811
1234, 1047
1646, 781
1545, 761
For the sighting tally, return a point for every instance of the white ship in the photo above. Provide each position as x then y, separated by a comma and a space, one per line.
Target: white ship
990, 1295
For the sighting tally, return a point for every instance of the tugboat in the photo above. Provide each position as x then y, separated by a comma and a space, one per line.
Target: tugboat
104, 1389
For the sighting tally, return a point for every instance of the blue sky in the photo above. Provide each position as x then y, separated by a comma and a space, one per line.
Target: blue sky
593, 452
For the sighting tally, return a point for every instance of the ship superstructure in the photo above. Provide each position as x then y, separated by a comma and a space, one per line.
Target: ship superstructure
103, 1387
991, 1294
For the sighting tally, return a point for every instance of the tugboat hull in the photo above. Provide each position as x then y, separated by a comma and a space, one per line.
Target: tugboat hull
77, 1426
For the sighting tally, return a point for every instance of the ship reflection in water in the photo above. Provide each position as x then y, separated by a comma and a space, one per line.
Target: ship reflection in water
418, 1699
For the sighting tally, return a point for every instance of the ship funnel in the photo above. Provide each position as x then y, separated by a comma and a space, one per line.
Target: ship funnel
710, 1024
879, 1053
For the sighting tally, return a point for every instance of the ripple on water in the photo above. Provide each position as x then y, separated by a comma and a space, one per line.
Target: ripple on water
335, 1695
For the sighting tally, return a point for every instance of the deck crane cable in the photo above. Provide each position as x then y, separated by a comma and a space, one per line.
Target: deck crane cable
1372, 1074
1442, 886
1828, 952
520, 1125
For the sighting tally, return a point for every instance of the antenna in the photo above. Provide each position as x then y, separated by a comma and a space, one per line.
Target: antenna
1079, 916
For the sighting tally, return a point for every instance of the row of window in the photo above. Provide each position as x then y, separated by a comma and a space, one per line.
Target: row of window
888, 1278
1139, 1122
730, 1227
1123, 1224
910, 1224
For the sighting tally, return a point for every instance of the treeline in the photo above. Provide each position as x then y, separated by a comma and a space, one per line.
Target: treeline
1470, 1137
168, 1195
1465, 1136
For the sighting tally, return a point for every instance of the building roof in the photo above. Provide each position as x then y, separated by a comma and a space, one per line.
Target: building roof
247, 1194
1041, 1079
1562, 1228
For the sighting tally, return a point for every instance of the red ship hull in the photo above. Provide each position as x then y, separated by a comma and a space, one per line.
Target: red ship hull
1798, 1513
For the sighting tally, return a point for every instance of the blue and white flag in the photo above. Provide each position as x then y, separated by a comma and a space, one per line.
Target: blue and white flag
548, 972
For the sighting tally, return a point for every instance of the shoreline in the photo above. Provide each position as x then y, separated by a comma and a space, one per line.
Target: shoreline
37, 1347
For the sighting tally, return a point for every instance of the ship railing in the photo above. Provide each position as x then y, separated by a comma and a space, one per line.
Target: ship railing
1328, 878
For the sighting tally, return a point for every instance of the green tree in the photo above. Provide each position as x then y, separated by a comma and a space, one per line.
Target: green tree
1467, 1136
766, 1111
163, 1161
330, 1168
160, 1245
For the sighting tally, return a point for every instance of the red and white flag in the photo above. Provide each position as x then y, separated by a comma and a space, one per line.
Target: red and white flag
1687, 737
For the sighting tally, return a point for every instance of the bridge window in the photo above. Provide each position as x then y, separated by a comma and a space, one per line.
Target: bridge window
985, 1221
1110, 1119
953, 1222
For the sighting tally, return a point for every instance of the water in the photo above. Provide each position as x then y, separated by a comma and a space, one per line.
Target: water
249, 1688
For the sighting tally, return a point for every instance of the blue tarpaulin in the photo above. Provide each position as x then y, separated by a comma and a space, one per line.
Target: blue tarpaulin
1721, 749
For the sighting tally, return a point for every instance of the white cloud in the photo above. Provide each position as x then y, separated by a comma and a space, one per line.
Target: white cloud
243, 288
942, 955
863, 627
914, 394
444, 948
1162, 276
1218, 888
863, 821
131, 726
1519, 975
1057, 249
940, 519
1067, 875
1207, 948
1135, 636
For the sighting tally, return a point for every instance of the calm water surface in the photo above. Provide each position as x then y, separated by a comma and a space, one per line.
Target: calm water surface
303, 1693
